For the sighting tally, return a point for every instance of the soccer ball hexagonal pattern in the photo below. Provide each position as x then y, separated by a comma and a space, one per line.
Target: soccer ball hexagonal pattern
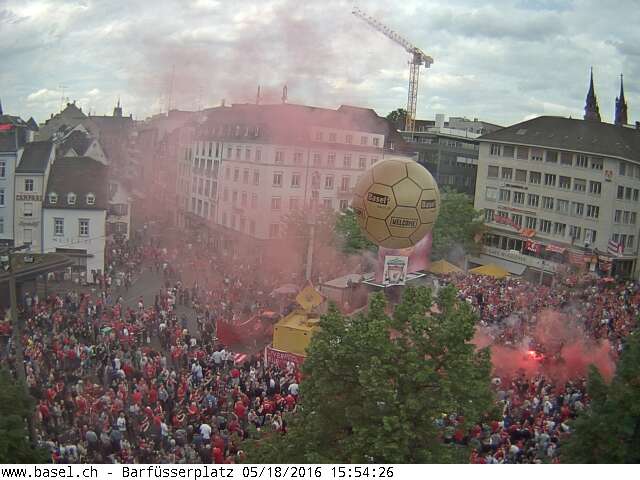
396, 203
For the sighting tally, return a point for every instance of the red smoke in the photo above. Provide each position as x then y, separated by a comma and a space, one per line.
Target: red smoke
561, 350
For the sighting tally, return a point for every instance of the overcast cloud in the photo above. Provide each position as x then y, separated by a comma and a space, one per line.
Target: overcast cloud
502, 61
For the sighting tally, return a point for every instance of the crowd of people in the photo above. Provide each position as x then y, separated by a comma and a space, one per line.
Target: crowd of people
119, 381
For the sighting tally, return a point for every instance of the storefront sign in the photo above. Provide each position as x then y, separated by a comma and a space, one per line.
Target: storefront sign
29, 197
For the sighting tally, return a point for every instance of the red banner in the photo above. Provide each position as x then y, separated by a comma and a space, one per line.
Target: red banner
577, 258
5, 127
533, 246
280, 358
554, 248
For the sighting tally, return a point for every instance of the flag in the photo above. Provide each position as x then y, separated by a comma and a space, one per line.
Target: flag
533, 246
576, 258
555, 248
615, 248
5, 127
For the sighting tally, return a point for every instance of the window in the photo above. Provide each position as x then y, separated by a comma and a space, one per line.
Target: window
236, 174
193, 204
245, 176
494, 149
200, 186
505, 195
71, 198
376, 142
252, 227
243, 224
254, 200
328, 182
507, 173
579, 185
234, 197
625, 217
53, 198
362, 163
633, 218
559, 229
575, 232
530, 222
493, 171
535, 177
331, 160
627, 193
545, 226
508, 151
332, 137
547, 203
274, 230
518, 197
623, 168
243, 199
83, 227
28, 185
566, 159
327, 203
373, 160
297, 158
256, 177
58, 226
620, 193
207, 187
344, 204
3, 168
276, 203
489, 215
521, 175
1, 224
491, 194
294, 203
27, 209
635, 194
597, 163
577, 209
349, 139
630, 240
295, 180
564, 182
347, 161
517, 219
617, 216
589, 236
277, 179
549, 179
593, 211
533, 200
364, 140
258, 154
238, 153
523, 153
315, 180
536, 154
552, 156
595, 188
227, 173
317, 160
344, 184
233, 221
225, 194
582, 161
562, 206
280, 157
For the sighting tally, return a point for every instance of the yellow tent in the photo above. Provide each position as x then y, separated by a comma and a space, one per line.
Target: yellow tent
491, 270
442, 266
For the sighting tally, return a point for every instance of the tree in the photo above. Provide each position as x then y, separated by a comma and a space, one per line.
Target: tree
15, 407
375, 385
609, 430
350, 235
398, 118
458, 224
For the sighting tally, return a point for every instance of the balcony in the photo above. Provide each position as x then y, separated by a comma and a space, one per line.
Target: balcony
522, 259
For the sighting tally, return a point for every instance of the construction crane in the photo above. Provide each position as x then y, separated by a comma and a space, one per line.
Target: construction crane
418, 58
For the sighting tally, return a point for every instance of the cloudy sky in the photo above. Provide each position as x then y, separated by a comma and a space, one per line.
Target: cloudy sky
502, 61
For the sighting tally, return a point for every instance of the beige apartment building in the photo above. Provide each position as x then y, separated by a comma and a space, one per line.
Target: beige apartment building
560, 191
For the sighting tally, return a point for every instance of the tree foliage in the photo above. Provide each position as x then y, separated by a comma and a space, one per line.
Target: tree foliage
458, 224
375, 385
398, 118
15, 407
351, 238
609, 431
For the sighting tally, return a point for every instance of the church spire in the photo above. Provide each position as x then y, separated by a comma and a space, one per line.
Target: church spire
621, 107
1, 107
591, 110
117, 111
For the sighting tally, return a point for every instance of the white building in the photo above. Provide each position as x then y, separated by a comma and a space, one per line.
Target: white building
31, 178
74, 214
14, 135
250, 165
119, 213
561, 191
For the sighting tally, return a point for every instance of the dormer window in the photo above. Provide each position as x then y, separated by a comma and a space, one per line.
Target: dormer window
91, 199
71, 198
53, 198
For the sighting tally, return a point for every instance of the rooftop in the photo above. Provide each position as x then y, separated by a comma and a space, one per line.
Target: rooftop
35, 157
81, 176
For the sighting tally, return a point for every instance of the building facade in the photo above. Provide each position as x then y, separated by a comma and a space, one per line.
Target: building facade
74, 213
558, 191
449, 150
251, 165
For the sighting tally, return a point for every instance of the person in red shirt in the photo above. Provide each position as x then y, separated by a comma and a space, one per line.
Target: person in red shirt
240, 409
218, 457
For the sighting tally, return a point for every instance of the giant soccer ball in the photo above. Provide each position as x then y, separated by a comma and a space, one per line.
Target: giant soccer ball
396, 203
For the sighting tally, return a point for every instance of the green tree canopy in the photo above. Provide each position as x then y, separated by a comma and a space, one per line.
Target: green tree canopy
375, 385
398, 117
15, 407
458, 224
609, 431
350, 236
